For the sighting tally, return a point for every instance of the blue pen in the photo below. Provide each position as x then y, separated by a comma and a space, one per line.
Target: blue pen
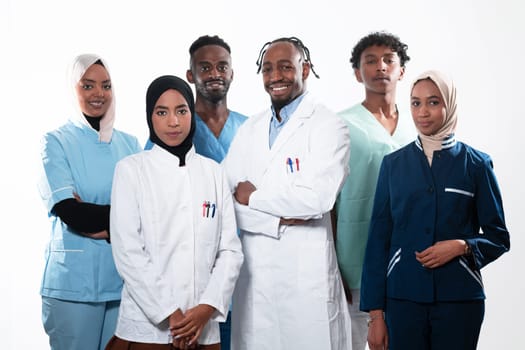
213, 210
290, 163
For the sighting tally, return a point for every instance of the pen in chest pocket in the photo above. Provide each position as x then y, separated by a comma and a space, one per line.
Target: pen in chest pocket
290, 164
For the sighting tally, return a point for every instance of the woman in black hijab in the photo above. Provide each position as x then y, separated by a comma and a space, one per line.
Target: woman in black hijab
174, 235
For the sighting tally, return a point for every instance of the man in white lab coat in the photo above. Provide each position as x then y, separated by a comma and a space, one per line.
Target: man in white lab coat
286, 167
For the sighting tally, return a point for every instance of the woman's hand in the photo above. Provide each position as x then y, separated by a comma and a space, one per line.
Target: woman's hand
377, 331
441, 253
178, 341
191, 325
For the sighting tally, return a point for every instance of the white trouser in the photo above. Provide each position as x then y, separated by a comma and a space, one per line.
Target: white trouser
359, 322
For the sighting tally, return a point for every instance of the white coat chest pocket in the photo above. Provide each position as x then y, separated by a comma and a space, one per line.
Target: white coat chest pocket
293, 164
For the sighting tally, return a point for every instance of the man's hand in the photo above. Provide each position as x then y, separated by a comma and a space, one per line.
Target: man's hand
243, 191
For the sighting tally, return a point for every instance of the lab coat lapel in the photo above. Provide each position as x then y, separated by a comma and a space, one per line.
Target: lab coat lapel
303, 112
266, 157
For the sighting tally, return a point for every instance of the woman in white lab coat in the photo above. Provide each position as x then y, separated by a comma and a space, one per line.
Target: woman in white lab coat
173, 232
289, 294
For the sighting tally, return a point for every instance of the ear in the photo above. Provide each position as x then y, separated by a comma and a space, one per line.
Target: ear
306, 70
357, 74
401, 73
189, 76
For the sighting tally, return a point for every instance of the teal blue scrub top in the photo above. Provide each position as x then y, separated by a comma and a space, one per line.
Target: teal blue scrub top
369, 143
208, 145
78, 268
205, 142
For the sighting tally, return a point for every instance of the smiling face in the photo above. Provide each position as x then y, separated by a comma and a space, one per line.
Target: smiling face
94, 91
171, 118
284, 73
379, 69
211, 72
427, 107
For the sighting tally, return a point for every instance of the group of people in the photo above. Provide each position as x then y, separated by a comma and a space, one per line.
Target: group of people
296, 228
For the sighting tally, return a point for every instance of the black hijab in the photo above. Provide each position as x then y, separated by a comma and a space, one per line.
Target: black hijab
157, 88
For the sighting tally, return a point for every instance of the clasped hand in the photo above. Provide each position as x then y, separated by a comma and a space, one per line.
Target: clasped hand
187, 327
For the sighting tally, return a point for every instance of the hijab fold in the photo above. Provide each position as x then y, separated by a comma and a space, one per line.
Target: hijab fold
447, 89
155, 90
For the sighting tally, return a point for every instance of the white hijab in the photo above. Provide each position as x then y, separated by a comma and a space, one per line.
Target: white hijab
79, 66
448, 92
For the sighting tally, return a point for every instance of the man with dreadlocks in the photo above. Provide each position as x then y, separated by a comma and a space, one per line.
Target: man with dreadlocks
286, 166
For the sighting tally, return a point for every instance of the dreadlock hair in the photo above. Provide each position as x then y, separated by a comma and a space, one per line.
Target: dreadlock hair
303, 50
379, 39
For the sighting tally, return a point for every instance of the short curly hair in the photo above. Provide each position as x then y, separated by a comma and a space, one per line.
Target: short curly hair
379, 39
206, 40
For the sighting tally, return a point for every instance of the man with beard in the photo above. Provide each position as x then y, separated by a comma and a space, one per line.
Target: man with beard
285, 167
211, 72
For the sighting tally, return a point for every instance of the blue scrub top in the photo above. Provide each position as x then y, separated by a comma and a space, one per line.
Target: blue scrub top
75, 161
205, 142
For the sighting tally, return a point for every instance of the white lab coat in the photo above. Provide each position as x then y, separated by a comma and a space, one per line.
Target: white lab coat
289, 294
174, 242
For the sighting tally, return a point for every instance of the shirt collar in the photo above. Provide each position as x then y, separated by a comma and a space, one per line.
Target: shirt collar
287, 111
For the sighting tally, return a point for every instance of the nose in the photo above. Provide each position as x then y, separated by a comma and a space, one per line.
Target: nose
173, 119
274, 75
381, 65
423, 111
99, 91
214, 72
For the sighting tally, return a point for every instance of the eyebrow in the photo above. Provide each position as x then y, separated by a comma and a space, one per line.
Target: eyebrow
182, 105
94, 81
427, 97
210, 63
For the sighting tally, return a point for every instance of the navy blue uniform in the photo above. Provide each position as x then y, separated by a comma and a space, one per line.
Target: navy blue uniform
416, 206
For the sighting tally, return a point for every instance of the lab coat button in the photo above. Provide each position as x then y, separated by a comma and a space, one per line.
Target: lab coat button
431, 190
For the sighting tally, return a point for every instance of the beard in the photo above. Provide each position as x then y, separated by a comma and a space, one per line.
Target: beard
213, 95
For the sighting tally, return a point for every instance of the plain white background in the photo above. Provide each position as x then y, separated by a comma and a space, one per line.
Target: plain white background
479, 43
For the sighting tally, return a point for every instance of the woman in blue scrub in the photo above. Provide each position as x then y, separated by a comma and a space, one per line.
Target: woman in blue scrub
81, 288
437, 220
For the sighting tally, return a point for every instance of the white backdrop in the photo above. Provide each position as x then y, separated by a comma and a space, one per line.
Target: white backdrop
479, 43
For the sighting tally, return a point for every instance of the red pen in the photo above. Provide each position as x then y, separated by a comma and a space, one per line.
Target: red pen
297, 163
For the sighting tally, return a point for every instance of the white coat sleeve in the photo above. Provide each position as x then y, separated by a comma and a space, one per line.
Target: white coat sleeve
248, 219
228, 261
314, 193
133, 262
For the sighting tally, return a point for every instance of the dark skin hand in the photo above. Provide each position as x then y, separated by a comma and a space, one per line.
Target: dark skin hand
178, 342
243, 191
242, 194
187, 329
441, 253
377, 331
